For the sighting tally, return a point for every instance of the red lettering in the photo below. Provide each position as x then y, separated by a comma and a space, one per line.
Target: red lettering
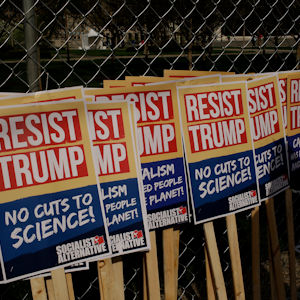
213, 105
39, 129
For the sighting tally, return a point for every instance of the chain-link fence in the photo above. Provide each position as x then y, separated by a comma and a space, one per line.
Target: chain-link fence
50, 44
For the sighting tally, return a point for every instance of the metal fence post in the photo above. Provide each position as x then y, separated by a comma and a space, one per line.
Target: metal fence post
31, 44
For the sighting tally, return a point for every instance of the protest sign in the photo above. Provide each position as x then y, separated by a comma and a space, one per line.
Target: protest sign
119, 172
266, 106
293, 128
268, 135
50, 203
160, 149
263, 93
215, 122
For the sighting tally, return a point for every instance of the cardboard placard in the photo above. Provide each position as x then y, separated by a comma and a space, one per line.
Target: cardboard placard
219, 149
268, 135
267, 107
119, 172
56, 212
160, 149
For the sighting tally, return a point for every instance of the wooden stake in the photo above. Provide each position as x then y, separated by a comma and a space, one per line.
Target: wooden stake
176, 233
38, 289
153, 286
117, 264
70, 286
169, 263
236, 266
275, 249
209, 280
255, 250
214, 260
291, 242
60, 284
50, 289
106, 279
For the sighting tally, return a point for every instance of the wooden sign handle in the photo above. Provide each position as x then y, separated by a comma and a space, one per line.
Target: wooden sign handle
255, 251
50, 289
169, 264
214, 260
38, 288
209, 280
153, 286
60, 284
176, 234
110, 276
117, 264
236, 266
70, 286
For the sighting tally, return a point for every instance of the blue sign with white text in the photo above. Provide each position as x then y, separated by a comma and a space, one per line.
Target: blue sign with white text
124, 215
165, 192
222, 185
52, 221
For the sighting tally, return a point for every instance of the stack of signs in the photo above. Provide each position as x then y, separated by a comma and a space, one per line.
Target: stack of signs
293, 127
266, 120
118, 168
53, 154
160, 150
219, 149
51, 214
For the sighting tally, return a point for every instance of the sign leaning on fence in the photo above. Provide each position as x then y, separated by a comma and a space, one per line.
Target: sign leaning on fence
219, 149
51, 214
160, 149
293, 117
266, 120
118, 168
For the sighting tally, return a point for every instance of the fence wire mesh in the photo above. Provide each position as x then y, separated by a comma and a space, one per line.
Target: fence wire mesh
51, 44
